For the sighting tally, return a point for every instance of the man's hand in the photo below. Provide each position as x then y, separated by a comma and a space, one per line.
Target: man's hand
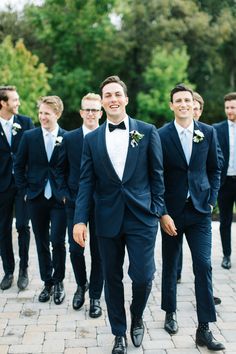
168, 225
80, 234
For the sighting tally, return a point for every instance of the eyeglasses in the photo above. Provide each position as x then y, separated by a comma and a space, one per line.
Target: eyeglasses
88, 110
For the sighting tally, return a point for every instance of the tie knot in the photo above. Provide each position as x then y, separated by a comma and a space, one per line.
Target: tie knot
112, 127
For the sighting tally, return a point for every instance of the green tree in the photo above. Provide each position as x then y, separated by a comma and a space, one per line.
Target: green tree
167, 68
21, 68
76, 40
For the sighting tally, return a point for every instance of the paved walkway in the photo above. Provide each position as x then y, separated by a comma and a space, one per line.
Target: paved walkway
27, 326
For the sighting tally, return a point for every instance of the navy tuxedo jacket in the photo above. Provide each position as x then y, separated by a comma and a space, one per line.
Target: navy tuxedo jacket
222, 130
140, 190
68, 169
8, 153
32, 168
201, 177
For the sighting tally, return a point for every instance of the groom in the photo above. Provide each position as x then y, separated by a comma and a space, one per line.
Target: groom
122, 168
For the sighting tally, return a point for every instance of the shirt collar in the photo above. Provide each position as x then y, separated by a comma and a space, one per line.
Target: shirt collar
54, 133
86, 130
9, 121
180, 129
231, 124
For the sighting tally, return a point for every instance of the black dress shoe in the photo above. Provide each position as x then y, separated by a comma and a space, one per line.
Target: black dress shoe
171, 324
23, 279
59, 293
120, 345
79, 296
45, 294
226, 263
136, 330
6, 282
95, 309
206, 338
217, 300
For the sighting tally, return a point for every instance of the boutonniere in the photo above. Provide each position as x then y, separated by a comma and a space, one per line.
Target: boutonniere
135, 137
58, 140
198, 136
16, 127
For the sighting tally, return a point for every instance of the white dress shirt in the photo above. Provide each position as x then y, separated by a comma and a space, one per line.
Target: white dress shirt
189, 132
53, 133
117, 143
86, 130
232, 142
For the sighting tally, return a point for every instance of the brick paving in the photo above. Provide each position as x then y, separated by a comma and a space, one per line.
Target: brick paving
30, 327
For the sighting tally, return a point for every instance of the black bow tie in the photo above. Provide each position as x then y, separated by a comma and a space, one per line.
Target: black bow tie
112, 127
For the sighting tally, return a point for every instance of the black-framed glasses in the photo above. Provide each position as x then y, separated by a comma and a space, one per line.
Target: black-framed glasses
92, 110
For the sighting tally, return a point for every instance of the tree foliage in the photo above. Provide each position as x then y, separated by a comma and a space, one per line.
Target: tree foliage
167, 68
19, 67
83, 41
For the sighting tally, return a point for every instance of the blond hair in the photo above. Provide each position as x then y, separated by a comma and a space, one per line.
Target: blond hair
91, 97
54, 102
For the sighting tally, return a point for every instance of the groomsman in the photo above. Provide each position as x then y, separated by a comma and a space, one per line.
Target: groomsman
35, 166
192, 179
12, 127
68, 173
226, 132
122, 169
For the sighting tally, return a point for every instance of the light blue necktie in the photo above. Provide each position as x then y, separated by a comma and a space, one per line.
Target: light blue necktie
49, 150
185, 145
8, 132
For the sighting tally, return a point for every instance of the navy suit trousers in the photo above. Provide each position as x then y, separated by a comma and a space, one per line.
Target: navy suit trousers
78, 259
48, 219
139, 240
11, 200
197, 229
226, 202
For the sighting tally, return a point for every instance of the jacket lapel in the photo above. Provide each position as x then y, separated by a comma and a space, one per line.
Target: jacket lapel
132, 154
176, 140
104, 157
57, 144
16, 137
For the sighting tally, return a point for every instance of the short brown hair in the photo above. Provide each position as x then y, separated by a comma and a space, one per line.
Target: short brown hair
54, 102
179, 88
116, 79
3, 93
230, 96
91, 96
199, 99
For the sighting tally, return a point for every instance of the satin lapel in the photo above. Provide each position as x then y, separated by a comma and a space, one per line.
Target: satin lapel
176, 141
103, 154
3, 137
132, 154
17, 136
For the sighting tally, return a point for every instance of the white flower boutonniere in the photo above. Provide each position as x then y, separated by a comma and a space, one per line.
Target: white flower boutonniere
198, 136
135, 137
58, 140
16, 127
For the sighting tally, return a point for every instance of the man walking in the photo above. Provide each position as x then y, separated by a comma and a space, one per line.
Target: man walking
35, 171
12, 127
68, 173
226, 132
122, 168
192, 179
